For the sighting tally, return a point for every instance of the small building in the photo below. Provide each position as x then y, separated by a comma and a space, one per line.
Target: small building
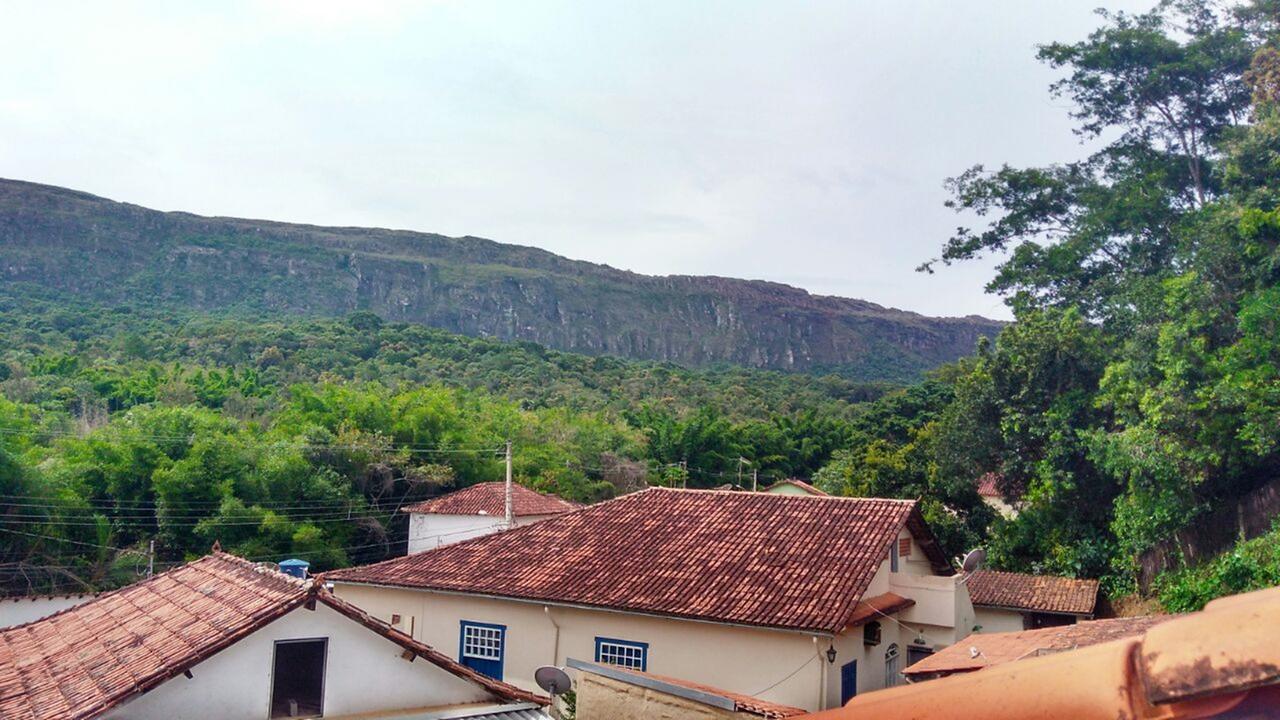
984, 650
224, 638
20, 609
477, 510
792, 486
1009, 601
800, 601
611, 692
988, 487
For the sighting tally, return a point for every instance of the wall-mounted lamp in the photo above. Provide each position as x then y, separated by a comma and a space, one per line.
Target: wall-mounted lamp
831, 654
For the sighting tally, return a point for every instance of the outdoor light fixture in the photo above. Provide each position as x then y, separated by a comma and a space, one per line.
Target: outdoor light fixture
831, 653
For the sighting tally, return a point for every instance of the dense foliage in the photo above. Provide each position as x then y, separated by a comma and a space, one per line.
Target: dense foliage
1139, 384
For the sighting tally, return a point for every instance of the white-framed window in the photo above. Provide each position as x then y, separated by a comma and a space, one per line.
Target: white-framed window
623, 653
482, 642
892, 674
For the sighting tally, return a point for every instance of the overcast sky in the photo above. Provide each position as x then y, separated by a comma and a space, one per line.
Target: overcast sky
801, 142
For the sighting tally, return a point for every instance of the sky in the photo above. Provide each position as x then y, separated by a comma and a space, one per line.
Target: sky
799, 142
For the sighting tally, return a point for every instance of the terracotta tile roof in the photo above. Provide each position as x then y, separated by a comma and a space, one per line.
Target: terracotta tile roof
988, 487
788, 561
999, 648
489, 498
85, 660
812, 490
877, 607
1222, 662
742, 703
1037, 593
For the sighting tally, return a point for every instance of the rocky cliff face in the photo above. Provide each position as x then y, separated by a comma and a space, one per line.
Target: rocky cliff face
111, 252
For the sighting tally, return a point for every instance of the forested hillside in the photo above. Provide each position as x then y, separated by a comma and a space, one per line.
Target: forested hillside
1138, 388
109, 252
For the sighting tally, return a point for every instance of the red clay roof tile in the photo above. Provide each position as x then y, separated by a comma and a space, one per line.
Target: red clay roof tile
489, 498
1037, 593
83, 661
785, 561
998, 648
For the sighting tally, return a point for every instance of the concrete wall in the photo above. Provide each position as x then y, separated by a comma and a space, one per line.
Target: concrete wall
784, 667
22, 610
428, 531
602, 698
993, 621
364, 672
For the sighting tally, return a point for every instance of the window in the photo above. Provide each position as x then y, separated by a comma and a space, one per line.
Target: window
904, 547
297, 678
892, 676
481, 647
893, 558
624, 653
916, 653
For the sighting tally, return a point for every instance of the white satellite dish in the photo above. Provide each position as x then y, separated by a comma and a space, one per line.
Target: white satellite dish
974, 560
552, 679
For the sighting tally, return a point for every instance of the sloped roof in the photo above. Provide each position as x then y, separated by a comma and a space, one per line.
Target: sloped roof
489, 498
83, 661
877, 607
799, 484
1036, 593
988, 485
1225, 658
689, 690
786, 561
998, 648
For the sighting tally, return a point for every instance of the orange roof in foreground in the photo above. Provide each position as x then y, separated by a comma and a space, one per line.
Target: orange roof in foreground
489, 498
998, 648
81, 662
1037, 593
785, 561
1226, 658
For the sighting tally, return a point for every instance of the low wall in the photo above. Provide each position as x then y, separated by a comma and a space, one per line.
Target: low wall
1210, 534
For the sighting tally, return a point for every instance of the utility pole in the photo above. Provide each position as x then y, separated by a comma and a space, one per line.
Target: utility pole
684, 474
151, 557
755, 480
510, 511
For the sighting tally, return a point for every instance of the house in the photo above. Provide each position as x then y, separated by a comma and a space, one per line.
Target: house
985, 650
611, 692
1222, 662
1009, 601
989, 490
477, 510
793, 486
224, 638
798, 600
19, 609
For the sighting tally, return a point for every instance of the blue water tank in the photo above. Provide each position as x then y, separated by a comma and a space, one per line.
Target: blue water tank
295, 567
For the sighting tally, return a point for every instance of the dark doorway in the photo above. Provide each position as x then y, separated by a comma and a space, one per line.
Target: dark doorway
297, 678
848, 681
916, 653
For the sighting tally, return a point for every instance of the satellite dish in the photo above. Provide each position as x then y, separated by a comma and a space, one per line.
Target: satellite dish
974, 560
552, 679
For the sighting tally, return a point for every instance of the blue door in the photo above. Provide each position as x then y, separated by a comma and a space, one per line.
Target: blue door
481, 646
848, 681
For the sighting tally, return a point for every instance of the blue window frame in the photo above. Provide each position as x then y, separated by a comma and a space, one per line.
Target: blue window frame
481, 647
623, 653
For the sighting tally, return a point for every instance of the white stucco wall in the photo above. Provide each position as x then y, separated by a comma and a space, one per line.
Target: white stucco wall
994, 621
428, 531
364, 672
18, 611
739, 659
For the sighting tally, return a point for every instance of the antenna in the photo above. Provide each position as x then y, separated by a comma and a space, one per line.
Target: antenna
552, 679
973, 562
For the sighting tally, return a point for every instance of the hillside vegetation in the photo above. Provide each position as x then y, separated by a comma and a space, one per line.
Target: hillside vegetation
110, 252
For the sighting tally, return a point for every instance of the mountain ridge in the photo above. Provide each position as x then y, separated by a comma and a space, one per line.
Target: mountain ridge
111, 251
